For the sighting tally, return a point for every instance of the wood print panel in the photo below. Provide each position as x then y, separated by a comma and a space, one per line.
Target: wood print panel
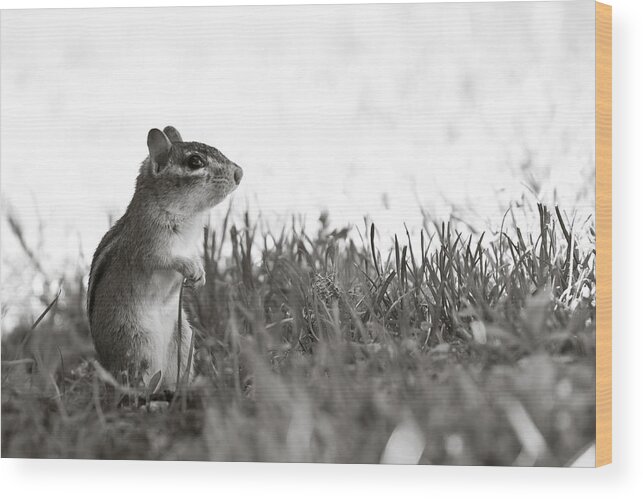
604, 234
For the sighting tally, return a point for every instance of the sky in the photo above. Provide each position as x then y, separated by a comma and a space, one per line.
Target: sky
360, 110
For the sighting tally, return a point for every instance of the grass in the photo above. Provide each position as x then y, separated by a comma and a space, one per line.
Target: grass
325, 346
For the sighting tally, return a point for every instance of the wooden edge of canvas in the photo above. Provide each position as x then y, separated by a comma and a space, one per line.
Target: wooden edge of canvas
603, 234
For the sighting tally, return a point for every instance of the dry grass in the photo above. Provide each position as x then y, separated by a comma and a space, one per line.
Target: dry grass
451, 348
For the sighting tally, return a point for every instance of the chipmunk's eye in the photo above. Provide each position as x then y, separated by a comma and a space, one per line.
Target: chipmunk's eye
195, 161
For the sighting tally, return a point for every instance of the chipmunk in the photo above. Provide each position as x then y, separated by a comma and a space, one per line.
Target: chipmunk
140, 264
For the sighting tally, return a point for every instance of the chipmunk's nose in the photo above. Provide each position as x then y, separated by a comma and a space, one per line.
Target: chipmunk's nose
238, 174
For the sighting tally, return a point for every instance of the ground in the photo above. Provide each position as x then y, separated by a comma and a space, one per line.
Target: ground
454, 347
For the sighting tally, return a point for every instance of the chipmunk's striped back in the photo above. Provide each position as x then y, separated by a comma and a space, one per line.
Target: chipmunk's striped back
100, 262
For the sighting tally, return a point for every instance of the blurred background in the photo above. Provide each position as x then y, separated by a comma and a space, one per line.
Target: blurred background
372, 111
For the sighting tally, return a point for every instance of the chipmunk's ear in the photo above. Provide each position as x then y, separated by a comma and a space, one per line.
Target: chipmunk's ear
172, 134
159, 146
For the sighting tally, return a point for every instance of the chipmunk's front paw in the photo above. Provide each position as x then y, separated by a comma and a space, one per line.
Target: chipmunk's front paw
194, 273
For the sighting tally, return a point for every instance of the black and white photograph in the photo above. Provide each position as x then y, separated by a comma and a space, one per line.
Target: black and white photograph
305, 234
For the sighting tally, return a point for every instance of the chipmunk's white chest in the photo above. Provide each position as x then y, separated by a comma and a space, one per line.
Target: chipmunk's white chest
185, 242
160, 314
161, 309
165, 282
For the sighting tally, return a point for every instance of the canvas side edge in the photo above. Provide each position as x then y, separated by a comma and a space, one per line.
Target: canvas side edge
603, 234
